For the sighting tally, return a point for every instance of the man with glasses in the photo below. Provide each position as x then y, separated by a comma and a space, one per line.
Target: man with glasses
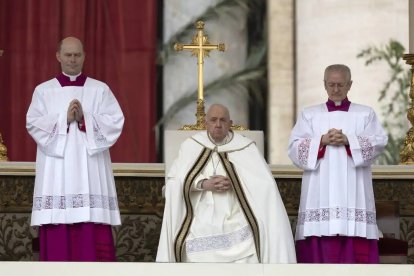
335, 144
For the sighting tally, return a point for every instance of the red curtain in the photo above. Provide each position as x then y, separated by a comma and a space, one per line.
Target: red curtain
120, 43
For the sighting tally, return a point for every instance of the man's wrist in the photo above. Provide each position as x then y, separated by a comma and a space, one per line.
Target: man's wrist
81, 125
200, 185
322, 142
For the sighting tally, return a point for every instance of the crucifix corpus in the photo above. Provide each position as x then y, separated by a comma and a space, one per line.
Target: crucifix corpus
3, 149
200, 47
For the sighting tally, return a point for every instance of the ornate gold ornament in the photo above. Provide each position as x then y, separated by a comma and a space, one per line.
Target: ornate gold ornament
199, 47
407, 153
3, 150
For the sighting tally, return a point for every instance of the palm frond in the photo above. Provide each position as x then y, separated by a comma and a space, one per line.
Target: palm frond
224, 8
254, 72
240, 79
396, 90
250, 80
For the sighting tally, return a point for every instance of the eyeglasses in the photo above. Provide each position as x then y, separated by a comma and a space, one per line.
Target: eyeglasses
336, 84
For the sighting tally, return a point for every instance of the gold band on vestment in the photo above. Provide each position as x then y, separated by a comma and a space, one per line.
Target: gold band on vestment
201, 162
189, 179
244, 204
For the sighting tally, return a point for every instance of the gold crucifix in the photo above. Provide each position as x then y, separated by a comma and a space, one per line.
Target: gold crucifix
201, 48
3, 149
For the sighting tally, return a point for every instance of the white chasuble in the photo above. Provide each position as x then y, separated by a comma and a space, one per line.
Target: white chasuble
74, 181
219, 232
337, 196
204, 226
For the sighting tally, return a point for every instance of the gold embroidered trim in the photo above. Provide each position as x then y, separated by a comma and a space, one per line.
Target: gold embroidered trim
239, 149
189, 179
244, 204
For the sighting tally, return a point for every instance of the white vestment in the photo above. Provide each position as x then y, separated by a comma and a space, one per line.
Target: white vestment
204, 226
74, 181
337, 196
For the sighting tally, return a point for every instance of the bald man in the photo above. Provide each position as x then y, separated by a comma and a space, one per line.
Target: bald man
74, 120
222, 202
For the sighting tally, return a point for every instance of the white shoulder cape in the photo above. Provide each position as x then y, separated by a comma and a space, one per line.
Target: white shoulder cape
258, 185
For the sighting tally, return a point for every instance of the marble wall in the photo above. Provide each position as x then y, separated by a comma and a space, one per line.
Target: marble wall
307, 35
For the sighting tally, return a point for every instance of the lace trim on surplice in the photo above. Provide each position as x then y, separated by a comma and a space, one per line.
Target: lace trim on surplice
100, 139
337, 213
303, 151
52, 135
366, 148
75, 201
219, 241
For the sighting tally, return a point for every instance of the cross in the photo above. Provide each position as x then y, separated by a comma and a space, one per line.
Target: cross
201, 48
3, 149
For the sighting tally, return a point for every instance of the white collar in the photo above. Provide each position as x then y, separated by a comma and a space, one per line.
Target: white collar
226, 139
235, 142
72, 77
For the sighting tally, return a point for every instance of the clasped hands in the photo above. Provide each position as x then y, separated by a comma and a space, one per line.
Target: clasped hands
216, 183
75, 112
334, 137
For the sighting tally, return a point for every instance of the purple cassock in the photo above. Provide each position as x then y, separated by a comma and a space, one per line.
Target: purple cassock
81, 242
337, 249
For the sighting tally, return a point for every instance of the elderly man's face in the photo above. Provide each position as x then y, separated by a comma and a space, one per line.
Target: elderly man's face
218, 123
71, 57
337, 85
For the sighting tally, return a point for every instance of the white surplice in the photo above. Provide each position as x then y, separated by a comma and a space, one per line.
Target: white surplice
337, 196
74, 180
219, 230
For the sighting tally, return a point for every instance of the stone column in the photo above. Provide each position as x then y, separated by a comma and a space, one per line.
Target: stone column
411, 26
281, 67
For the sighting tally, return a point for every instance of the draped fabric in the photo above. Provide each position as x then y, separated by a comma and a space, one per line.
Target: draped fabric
257, 195
119, 37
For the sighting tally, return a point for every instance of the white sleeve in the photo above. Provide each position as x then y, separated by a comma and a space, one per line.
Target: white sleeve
48, 130
369, 144
304, 145
104, 127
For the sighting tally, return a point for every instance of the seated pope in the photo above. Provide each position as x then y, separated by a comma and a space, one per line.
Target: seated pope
222, 203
